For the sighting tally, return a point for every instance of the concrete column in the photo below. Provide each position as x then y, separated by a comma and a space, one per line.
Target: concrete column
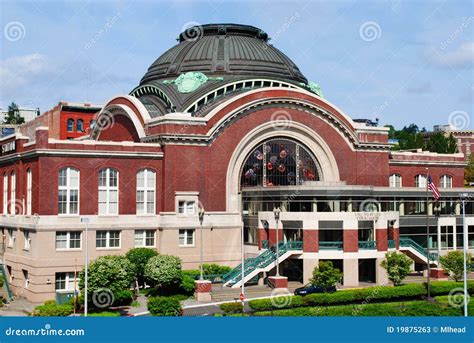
202, 291
308, 266
351, 272
381, 277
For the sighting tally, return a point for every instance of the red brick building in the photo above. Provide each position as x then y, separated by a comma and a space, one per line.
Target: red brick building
226, 123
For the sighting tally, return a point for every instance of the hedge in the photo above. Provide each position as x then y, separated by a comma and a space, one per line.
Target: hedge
370, 294
51, 309
444, 287
413, 308
229, 308
164, 306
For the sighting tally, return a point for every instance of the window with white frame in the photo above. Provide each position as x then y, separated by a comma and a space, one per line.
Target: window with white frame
108, 191
66, 282
186, 207
446, 181
145, 238
26, 277
146, 184
12, 193
11, 237
68, 240
420, 181
5, 193
108, 239
27, 240
395, 180
29, 189
68, 191
186, 237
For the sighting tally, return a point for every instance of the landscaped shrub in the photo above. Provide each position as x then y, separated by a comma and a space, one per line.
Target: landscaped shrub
268, 304
2, 281
139, 257
397, 266
163, 271
193, 273
444, 287
51, 309
164, 306
187, 285
453, 263
123, 298
213, 269
113, 273
104, 314
326, 275
229, 308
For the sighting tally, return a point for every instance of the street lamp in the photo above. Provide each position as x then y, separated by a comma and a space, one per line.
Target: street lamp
437, 213
276, 213
464, 196
86, 250
201, 219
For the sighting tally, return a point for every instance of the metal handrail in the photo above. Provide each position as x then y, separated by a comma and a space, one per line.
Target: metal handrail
368, 245
391, 244
410, 243
330, 245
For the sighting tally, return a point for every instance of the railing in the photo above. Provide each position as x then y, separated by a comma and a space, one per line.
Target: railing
261, 261
214, 278
328, 245
410, 243
367, 245
265, 244
7, 284
391, 244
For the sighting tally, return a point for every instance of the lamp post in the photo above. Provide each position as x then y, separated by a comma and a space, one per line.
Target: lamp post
464, 196
86, 262
428, 284
201, 219
437, 213
276, 213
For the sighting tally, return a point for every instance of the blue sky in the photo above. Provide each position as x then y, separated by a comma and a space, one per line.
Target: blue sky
400, 61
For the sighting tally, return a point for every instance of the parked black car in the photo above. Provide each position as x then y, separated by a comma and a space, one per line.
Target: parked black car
309, 289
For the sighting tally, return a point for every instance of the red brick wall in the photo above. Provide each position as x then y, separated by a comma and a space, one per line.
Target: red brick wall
351, 240
409, 172
310, 240
120, 129
381, 239
65, 115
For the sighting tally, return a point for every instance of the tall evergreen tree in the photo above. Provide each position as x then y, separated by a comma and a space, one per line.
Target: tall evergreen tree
13, 116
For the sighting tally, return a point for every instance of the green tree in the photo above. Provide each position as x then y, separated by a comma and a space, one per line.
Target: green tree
397, 266
453, 263
140, 257
469, 171
326, 275
163, 271
13, 116
115, 273
439, 143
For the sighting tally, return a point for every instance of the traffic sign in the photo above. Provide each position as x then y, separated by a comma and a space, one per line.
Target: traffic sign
241, 297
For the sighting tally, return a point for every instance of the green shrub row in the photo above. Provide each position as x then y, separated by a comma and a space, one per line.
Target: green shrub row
229, 308
370, 294
51, 309
444, 287
413, 308
164, 306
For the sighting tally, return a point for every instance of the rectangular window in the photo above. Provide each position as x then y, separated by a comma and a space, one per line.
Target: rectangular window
186, 207
146, 184
11, 237
26, 277
108, 191
13, 193
29, 188
186, 237
108, 239
27, 240
68, 191
68, 240
144, 238
66, 282
5, 194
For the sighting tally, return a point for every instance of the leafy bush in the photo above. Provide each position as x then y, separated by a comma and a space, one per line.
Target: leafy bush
444, 287
370, 294
104, 314
229, 308
164, 306
51, 309
397, 266
193, 273
213, 269
187, 285
2, 281
115, 273
453, 263
123, 298
139, 257
325, 275
163, 270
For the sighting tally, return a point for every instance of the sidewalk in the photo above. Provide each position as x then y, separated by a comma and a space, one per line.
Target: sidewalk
17, 308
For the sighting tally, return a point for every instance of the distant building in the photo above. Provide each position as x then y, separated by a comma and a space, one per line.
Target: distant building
28, 113
464, 138
67, 120
368, 122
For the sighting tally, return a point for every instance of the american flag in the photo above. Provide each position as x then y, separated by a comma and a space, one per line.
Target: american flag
432, 187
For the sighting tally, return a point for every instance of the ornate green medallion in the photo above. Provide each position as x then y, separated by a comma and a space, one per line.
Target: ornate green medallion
314, 87
190, 81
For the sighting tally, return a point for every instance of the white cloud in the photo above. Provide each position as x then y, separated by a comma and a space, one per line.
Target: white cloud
19, 71
463, 56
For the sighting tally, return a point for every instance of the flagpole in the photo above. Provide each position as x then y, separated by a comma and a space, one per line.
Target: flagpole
428, 287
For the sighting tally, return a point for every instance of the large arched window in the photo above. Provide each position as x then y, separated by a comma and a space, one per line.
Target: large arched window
395, 180
80, 125
279, 162
108, 191
5, 193
68, 191
70, 125
420, 181
446, 181
29, 190
12, 193
146, 181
